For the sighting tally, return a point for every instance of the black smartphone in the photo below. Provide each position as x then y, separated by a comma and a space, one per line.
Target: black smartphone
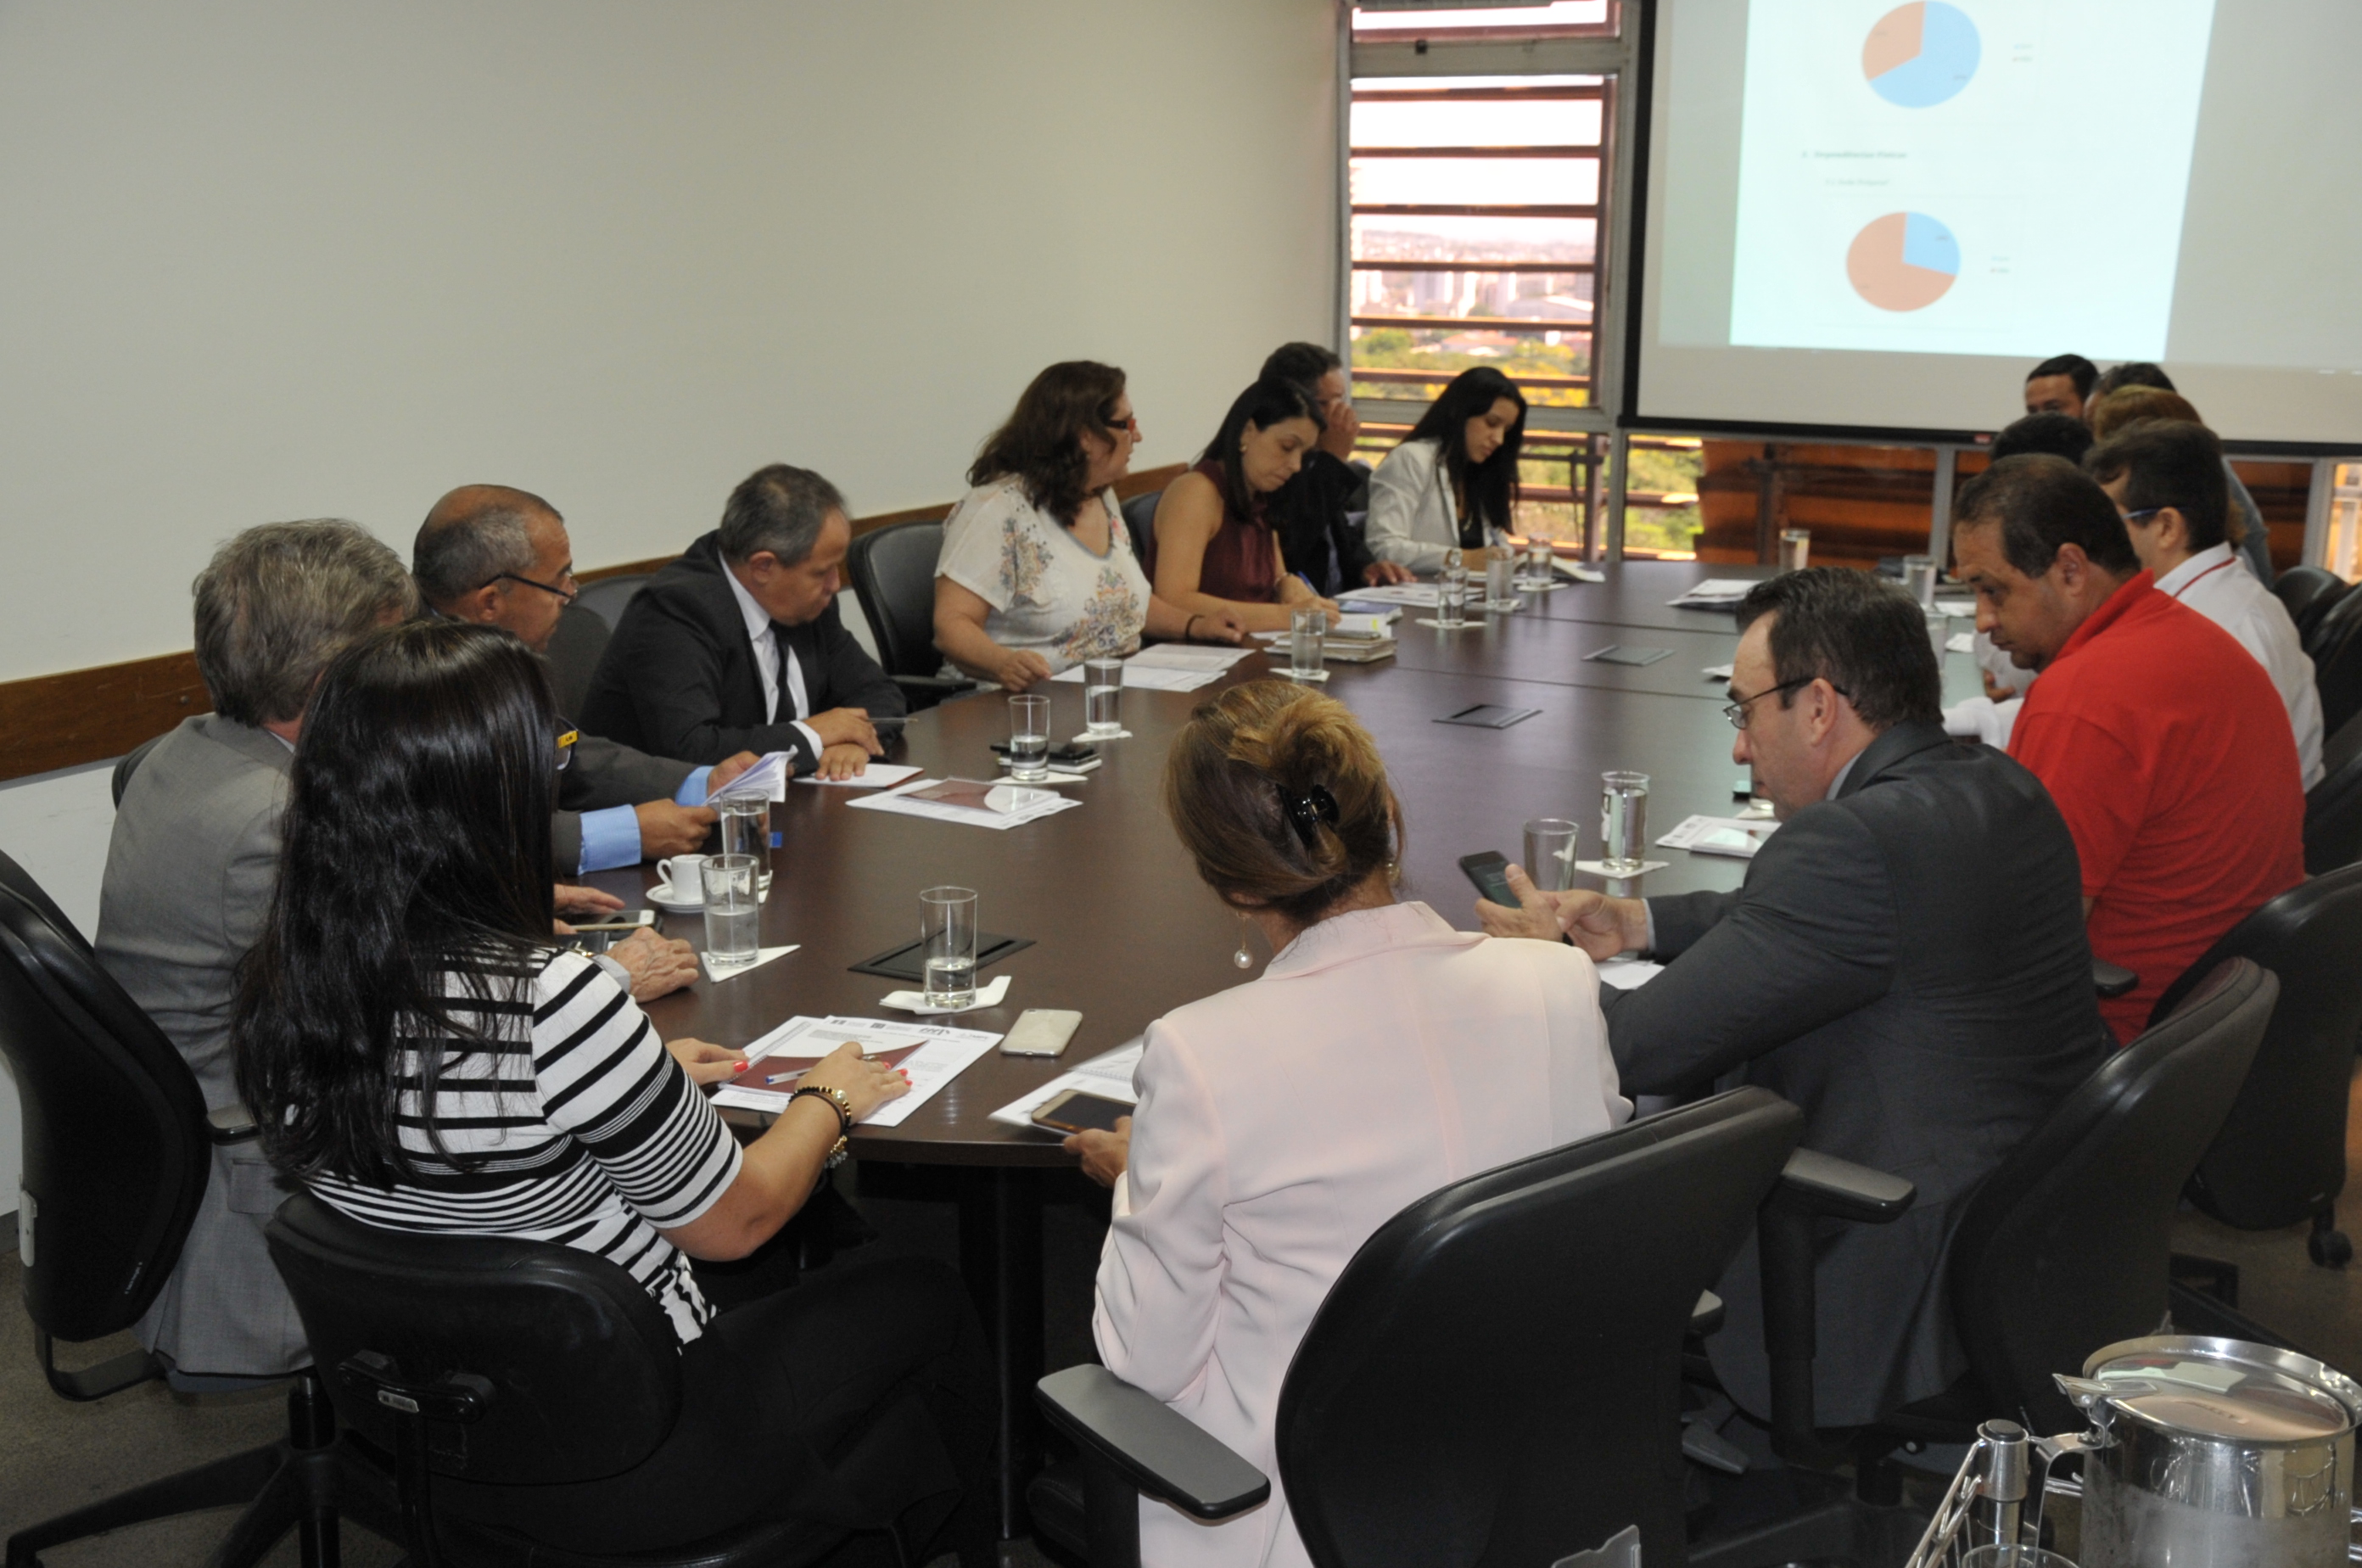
1489, 871
1075, 1111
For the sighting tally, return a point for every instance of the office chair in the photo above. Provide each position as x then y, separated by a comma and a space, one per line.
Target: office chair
2337, 668
128, 763
1139, 522
2307, 593
503, 1364
893, 570
573, 655
1494, 1378
608, 596
116, 1157
2333, 808
2334, 623
2063, 1249
2280, 1156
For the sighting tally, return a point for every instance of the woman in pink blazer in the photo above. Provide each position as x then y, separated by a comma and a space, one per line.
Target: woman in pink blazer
1381, 1055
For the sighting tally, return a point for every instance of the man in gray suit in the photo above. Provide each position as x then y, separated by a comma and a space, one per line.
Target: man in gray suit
501, 557
1905, 962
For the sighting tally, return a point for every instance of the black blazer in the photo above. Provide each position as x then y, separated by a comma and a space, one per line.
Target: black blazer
1316, 536
1906, 962
679, 676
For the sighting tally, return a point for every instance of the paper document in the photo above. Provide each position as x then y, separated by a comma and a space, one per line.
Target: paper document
1357, 626
1421, 594
1960, 642
1714, 592
768, 780
1628, 973
1959, 608
1718, 671
1736, 836
877, 776
968, 801
931, 1054
1108, 1076
1155, 678
1580, 573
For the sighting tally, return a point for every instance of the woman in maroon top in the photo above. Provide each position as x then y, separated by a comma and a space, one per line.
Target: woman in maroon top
1213, 549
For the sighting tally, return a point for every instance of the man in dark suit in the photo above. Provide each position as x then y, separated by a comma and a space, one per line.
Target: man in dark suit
1311, 512
738, 645
501, 557
1905, 962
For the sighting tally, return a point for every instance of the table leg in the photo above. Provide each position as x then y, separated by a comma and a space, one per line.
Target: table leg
1000, 1257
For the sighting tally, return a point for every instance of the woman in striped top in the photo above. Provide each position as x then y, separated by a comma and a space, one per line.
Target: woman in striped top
421, 1056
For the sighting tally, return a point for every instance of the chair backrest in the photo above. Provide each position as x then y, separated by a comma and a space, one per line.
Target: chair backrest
607, 597
2333, 808
128, 763
115, 1147
893, 570
1495, 1378
2307, 593
585, 1370
2064, 1247
573, 655
1139, 522
2337, 667
2282, 1153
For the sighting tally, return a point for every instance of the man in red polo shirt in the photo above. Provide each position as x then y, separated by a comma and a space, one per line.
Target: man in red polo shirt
2161, 741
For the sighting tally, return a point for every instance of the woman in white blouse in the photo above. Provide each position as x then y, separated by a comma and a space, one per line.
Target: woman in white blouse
1453, 478
1037, 571
1381, 1055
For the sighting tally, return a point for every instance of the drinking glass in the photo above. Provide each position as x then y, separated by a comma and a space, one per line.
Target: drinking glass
1550, 852
1029, 739
734, 911
1920, 577
1307, 631
1539, 570
1940, 632
1796, 548
1451, 601
1624, 821
947, 929
746, 829
1500, 590
1102, 697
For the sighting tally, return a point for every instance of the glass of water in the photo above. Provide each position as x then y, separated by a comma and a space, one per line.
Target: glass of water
1796, 548
734, 911
1307, 634
1550, 852
1624, 821
1920, 577
1500, 588
1029, 739
1102, 697
947, 932
1539, 570
1940, 632
746, 829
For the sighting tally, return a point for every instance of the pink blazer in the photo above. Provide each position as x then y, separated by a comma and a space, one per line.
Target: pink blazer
1381, 1055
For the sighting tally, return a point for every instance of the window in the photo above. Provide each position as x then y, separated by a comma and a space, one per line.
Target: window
1563, 20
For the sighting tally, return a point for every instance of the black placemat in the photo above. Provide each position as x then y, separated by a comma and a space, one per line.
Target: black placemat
1619, 652
907, 962
1489, 716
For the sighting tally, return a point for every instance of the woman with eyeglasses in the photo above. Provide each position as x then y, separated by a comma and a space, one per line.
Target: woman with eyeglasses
1453, 478
424, 1057
1381, 1055
1037, 571
1216, 551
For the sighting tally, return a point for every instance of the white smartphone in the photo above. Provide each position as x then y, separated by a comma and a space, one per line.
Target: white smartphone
615, 920
1040, 1031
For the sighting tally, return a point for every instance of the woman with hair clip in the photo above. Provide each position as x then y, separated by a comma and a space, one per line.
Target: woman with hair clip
1455, 475
421, 1056
1381, 1055
1037, 571
1215, 552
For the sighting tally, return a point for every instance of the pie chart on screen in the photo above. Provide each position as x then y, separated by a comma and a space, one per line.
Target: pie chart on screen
1903, 261
1919, 55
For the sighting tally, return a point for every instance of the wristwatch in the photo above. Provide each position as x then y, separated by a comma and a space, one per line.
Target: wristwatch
837, 1102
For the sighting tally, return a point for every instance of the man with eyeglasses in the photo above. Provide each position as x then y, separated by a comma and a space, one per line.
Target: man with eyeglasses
1906, 961
501, 557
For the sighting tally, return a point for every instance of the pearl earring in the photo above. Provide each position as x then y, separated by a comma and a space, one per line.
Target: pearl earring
1242, 958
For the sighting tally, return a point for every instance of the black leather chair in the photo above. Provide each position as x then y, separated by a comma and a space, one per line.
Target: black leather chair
2333, 808
2064, 1248
893, 570
2280, 1157
506, 1364
1494, 1378
573, 654
116, 1157
2337, 666
2307, 593
128, 763
1139, 522
607, 597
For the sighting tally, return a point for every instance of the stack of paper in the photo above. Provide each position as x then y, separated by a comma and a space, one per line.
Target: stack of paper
767, 780
931, 1055
1421, 594
1170, 667
1738, 836
968, 801
1959, 608
1713, 593
1109, 1076
877, 776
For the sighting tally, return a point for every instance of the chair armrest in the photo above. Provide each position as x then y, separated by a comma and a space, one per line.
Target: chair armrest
934, 682
233, 1124
1843, 1190
1813, 1188
1166, 1456
2113, 980
1706, 1318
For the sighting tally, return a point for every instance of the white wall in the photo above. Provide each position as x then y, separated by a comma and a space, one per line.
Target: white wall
271, 258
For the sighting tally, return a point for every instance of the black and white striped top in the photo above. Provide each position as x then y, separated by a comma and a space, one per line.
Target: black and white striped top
582, 1130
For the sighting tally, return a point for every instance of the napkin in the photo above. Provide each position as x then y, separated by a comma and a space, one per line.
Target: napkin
988, 995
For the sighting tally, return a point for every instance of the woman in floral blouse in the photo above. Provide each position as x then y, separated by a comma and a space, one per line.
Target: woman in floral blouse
1037, 571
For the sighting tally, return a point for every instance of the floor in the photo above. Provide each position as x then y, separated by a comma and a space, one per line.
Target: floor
55, 1455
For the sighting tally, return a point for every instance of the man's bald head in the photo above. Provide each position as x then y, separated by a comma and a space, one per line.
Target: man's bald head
496, 556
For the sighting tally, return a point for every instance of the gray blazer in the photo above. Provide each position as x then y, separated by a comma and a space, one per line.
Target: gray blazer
1907, 964
190, 871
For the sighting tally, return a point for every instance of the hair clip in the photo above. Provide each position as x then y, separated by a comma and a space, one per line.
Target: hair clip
1307, 809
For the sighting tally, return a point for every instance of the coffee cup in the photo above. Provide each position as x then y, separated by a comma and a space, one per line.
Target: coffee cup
683, 879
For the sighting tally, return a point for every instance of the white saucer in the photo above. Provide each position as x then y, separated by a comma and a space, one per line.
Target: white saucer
661, 896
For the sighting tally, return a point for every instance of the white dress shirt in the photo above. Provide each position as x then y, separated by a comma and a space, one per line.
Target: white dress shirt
2217, 584
1413, 518
768, 662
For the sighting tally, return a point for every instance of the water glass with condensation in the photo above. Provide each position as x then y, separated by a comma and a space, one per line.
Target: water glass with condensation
1307, 636
1500, 586
1550, 852
1624, 821
1537, 563
734, 912
1029, 739
947, 938
746, 829
1796, 548
1920, 577
1102, 697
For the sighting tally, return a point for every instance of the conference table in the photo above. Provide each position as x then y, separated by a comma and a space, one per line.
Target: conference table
1123, 930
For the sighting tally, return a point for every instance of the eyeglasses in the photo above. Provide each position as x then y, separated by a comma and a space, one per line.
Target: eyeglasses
567, 594
566, 742
1736, 711
1128, 423
2144, 512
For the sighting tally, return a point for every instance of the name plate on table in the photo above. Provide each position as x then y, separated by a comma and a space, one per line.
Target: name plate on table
1489, 716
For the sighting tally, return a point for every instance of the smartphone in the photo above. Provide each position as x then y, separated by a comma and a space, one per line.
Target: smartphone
617, 921
1489, 871
1040, 1031
1077, 1111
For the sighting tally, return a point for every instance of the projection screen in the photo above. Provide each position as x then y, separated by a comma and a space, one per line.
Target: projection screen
1875, 217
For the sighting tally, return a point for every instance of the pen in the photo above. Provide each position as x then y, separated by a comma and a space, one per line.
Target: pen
783, 1077
1306, 582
